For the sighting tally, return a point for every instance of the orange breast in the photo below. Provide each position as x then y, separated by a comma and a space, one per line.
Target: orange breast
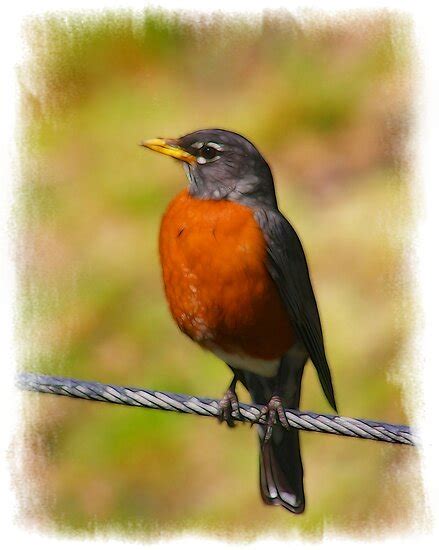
218, 288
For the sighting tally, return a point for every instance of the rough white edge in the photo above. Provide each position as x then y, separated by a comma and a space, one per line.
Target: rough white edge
426, 403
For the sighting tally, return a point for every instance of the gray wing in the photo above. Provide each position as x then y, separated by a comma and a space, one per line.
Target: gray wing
287, 266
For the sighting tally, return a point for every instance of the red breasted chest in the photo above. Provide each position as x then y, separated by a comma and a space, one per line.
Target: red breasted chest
216, 283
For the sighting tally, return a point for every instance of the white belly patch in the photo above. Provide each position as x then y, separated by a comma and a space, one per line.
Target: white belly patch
263, 367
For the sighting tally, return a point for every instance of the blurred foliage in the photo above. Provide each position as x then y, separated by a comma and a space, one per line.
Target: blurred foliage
328, 103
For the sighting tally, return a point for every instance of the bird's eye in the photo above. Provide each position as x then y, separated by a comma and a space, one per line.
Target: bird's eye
208, 152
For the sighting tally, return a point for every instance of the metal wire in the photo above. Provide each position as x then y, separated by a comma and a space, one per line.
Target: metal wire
150, 399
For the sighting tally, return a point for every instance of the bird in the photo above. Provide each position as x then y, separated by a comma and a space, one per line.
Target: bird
237, 283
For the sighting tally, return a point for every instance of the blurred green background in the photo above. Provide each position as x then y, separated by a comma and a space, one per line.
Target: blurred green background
327, 101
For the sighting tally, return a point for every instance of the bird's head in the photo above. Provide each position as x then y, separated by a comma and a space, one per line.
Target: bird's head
220, 165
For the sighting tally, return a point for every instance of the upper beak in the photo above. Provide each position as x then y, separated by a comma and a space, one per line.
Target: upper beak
169, 147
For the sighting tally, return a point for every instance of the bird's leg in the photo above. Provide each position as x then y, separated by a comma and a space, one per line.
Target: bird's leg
229, 404
274, 411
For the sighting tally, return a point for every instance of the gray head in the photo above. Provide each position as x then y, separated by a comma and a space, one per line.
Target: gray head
221, 165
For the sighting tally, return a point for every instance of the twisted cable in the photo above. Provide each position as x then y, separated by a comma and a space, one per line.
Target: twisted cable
150, 399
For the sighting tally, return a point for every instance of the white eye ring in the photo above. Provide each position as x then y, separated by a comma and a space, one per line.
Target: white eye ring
211, 144
202, 160
197, 145
215, 146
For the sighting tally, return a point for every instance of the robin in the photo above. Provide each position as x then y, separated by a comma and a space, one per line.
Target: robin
237, 283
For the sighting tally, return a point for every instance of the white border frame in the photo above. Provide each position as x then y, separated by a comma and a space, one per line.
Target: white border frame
423, 250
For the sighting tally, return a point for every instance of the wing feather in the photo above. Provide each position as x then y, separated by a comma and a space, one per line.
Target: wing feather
286, 263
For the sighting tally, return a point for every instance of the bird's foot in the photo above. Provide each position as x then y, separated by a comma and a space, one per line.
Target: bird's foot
274, 413
229, 404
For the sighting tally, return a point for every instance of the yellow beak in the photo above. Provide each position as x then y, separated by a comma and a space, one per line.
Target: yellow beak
170, 148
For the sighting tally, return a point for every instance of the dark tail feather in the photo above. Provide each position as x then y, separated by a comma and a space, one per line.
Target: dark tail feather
281, 471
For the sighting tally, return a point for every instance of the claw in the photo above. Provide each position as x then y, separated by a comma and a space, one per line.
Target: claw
274, 413
228, 405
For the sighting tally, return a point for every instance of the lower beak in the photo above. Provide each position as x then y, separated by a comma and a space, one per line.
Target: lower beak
169, 147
